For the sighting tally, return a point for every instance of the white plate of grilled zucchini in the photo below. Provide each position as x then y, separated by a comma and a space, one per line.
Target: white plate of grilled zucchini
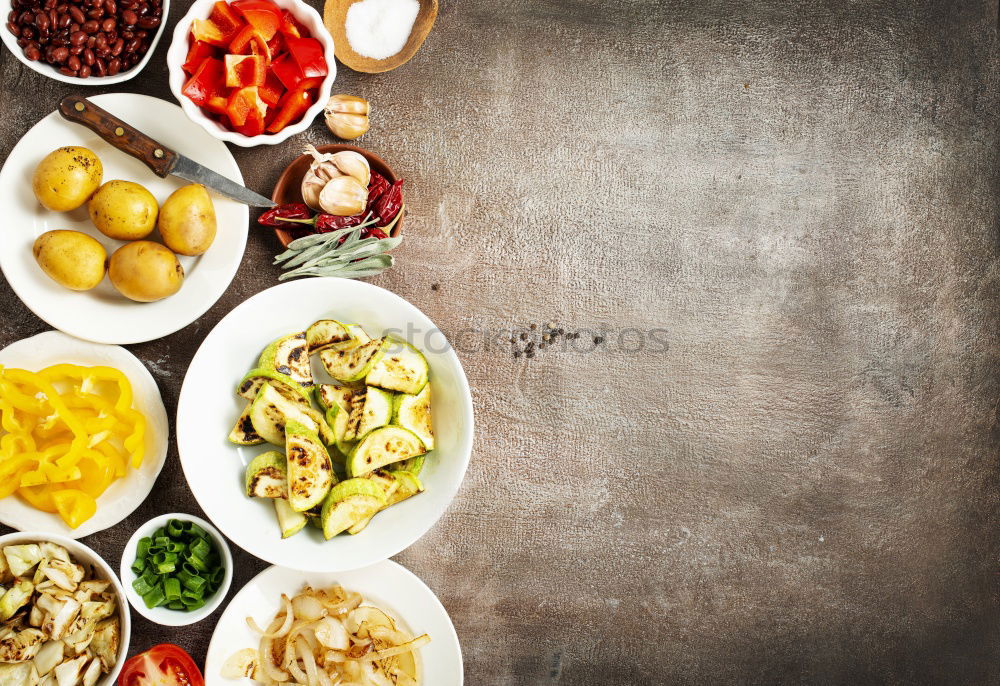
325, 424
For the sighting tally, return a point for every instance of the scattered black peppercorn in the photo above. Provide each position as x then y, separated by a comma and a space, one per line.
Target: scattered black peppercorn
529, 354
517, 353
532, 327
598, 340
524, 336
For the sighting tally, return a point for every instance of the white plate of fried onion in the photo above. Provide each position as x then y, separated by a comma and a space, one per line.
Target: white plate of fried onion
376, 626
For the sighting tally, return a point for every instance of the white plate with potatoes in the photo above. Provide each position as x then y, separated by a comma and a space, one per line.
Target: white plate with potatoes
114, 262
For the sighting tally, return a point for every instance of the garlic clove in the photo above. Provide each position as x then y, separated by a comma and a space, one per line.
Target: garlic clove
347, 116
347, 126
343, 196
353, 164
349, 104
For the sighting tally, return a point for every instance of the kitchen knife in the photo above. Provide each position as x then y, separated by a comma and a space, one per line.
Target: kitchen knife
161, 159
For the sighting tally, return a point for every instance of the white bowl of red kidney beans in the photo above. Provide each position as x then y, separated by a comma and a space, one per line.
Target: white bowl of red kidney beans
87, 42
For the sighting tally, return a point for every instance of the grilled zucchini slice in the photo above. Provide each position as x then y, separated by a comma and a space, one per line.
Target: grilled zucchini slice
402, 368
413, 412
382, 447
347, 366
310, 472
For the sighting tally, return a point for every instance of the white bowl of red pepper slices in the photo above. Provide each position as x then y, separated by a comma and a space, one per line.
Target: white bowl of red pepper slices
292, 219
215, 116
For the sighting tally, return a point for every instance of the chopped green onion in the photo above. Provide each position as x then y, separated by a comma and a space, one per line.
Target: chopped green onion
179, 567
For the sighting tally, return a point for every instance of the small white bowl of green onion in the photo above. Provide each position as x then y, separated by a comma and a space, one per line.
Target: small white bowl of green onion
176, 569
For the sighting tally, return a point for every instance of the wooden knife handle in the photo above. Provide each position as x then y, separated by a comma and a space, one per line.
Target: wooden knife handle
119, 134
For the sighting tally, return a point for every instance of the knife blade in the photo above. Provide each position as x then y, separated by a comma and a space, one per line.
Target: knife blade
161, 159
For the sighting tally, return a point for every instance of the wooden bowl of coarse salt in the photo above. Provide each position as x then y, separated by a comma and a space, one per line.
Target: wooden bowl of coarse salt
373, 36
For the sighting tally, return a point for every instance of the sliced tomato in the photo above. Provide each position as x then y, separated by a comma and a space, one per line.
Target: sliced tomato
162, 665
244, 70
206, 82
261, 14
249, 42
271, 90
290, 109
207, 31
223, 16
308, 55
242, 103
197, 53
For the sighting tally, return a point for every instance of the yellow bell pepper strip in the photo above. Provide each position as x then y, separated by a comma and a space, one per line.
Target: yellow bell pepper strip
74, 506
118, 460
13, 470
39, 497
55, 400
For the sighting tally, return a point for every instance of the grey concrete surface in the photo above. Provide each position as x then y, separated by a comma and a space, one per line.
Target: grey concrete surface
795, 480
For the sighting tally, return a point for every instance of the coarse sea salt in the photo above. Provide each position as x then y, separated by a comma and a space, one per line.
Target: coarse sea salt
380, 28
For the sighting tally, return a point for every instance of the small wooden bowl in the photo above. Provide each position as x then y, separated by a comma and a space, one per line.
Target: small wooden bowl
289, 186
335, 18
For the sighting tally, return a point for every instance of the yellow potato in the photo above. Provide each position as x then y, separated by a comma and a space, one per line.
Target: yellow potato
145, 271
66, 178
71, 259
187, 220
123, 210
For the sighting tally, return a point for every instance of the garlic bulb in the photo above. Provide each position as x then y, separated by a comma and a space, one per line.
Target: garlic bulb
347, 116
321, 170
343, 196
353, 164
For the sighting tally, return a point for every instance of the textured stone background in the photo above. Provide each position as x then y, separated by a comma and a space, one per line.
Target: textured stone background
795, 481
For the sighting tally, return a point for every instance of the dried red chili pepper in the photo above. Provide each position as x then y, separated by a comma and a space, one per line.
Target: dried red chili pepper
274, 216
387, 206
328, 222
373, 232
377, 185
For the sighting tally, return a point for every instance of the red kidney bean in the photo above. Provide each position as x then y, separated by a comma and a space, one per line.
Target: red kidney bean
78, 38
84, 72
60, 54
130, 18
88, 57
77, 14
99, 67
64, 21
149, 22
95, 13
32, 52
67, 71
117, 48
73, 63
76, 50
27, 32
114, 66
90, 26
42, 20
101, 42
108, 25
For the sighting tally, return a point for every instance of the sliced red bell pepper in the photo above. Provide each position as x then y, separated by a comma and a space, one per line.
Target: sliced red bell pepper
271, 90
197, 53
244, 70
208, 31
242, 103
206, 82
223, 16
287, 71
311, 82
308, 55
261, 14
249, 41
277, 44
290, 26
253, 126
217, 104
290, 109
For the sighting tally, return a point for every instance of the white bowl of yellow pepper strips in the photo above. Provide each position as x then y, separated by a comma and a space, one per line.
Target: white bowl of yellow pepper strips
176, 569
